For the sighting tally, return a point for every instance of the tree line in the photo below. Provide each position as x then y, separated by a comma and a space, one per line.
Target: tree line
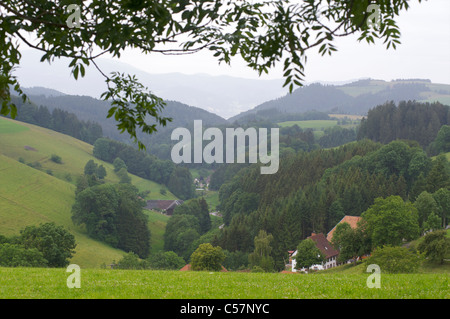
177, 179
45, 245
59, 120
111, 213
410, 120
326, 185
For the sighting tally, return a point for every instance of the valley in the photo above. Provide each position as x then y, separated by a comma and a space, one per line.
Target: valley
40, 171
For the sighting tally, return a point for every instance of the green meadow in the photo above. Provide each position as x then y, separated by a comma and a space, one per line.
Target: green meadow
312, 124
318, 126
436, 91
45, 283
36, 145
30, 196
157, 224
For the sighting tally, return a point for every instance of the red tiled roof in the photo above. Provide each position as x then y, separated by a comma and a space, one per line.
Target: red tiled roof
324, 245
188, 268
351, 220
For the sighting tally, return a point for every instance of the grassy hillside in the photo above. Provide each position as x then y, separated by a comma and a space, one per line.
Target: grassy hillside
157, 223
434, 91
319, 126
313, 124
30, 196
36, 145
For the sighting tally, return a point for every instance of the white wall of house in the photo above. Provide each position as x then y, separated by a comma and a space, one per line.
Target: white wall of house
330, 263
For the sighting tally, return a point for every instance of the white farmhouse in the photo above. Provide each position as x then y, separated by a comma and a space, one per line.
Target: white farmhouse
327, 250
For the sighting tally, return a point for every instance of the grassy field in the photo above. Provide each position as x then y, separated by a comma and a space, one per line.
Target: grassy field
11, 127
30, 196
319, 126
157, 223
36, 145
313, 124
349, 116
108, 284
437, 92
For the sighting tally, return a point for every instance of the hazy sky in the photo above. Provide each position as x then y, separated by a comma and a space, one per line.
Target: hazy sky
424, 53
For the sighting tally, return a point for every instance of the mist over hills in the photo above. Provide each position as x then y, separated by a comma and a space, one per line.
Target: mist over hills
87, 108
352, 98
221, 97
225, 96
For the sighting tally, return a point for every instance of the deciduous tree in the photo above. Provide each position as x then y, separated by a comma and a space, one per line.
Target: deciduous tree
207, 257
389, 221
263, 33
435, 246
55, 243
308, 254
261, 256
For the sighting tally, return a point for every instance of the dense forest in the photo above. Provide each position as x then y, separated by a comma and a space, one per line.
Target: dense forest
58, 120
327, 185
408, 120
177, 179
315, 187
158, 144
112, 213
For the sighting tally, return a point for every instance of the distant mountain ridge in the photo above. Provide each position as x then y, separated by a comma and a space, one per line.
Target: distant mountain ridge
90, 109
222, 95
352, 98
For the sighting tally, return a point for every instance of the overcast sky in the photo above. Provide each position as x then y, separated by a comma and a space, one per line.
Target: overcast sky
424, 53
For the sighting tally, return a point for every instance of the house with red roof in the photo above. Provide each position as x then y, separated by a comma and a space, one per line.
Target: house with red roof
324, 244
351, 220
326, 249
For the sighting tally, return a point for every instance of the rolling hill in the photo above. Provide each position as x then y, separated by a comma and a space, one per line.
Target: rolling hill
222, 95
352, 98
89, 109
29, 196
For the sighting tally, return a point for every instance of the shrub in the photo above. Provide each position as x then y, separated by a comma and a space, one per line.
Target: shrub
395, 260
168, 260
257, 269
18, 256
57, 159
207, 257
435, 246
130, 261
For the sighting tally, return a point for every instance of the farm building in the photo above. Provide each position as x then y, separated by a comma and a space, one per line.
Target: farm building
351, 220
163, 206
325, 247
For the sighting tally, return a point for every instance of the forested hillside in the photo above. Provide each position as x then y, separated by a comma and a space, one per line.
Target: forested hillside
353, 98
178, 179
313, 191
410, 120
59, 120
88, 109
